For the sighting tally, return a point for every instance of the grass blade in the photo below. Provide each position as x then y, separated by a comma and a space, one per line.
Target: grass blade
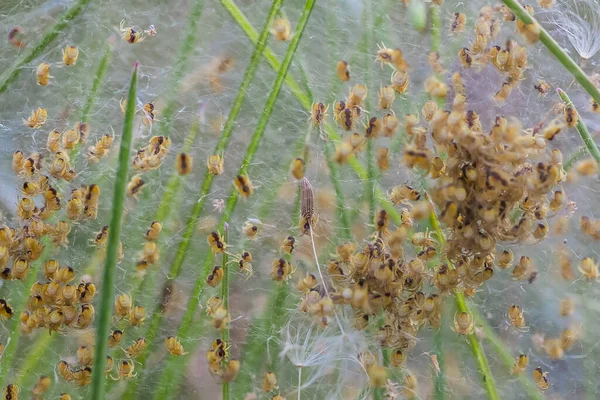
249, 30
578, 155
12, 72
168, 203
255, 343
174, 182
438, 340
170, 194
306, 102
556, 50
225, 297
169, 378
345, 230
587, 139
112, 248
208, 177
184, 53
19, 305
487, 378
98, 77
368, 63
93, 94
225, 137
505, 355
254, 350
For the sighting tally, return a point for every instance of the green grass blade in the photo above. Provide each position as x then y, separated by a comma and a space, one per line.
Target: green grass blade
33, 357
587, 139
13, 71
271, 58
305, 102
225, 298
578, 155
208, 177
19, 305
93, 94
174, 182
170, 193
169, 378
367, 65
439, 389
98, 77
186, 49
225, 137
487, 379
168, 203
556, 50
112, 248
253, 350
438, 340
505, 355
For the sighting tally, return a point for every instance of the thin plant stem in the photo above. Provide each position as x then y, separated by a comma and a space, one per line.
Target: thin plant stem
487, 378
339, 194
434, 13
112, 247
555, 49
305, 102
299, 382
168, 112
225, 299
368, 62
254, 348
11, 73
169, 198
367, 41
587, 139
207, 182
13, 325
98, 77
224, 140
185, 51
370, 192
253, 351
45, 342
312, 241
172, 189
578, 155
439, 377
169, 378
93, 94
34, 355
505, 355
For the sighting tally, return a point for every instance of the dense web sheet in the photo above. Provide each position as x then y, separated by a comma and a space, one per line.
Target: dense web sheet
335, 32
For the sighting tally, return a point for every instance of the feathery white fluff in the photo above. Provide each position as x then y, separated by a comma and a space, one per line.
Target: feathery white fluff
328, 352
579, 21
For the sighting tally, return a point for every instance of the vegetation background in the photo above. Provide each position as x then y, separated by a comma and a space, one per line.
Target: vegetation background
179, 72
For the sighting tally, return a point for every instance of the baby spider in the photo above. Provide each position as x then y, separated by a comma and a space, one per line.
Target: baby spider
134, 34
244, 262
